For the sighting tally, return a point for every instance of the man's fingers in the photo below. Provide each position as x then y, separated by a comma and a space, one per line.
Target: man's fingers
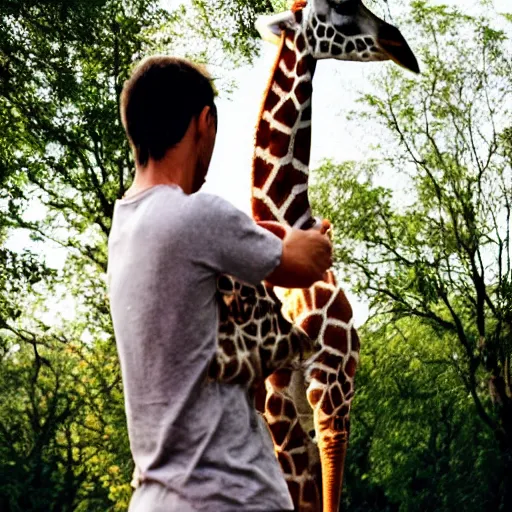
325, 227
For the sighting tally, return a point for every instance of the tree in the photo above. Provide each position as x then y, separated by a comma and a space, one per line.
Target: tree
64, 160
417, 442
440, 253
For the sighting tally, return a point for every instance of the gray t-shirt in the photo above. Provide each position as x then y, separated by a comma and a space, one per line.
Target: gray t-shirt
202, 440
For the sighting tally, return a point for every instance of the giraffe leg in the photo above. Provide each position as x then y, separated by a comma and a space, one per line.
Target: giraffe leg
325, 315
296, 453
333, 436
330, 397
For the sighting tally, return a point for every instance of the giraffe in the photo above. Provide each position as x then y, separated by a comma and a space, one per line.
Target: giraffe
248, 351
343, 30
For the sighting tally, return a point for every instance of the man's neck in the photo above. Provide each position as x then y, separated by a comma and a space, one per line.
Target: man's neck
174, 169
145, 179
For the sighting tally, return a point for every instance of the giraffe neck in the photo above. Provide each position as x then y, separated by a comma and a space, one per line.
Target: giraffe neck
283, 138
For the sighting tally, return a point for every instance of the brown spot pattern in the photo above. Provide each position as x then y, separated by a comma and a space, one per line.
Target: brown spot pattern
302, 67
350, 368
336, 337
260, 211
289, 58
289, 409
338, 38
282, 350
287, 114
322, 296
285, 464
326, 405
303, 92
283, 182
296, 439
300, 43
274, 405
294, 489
283, 81
244, 374
228, 346
336, 395
300, 461
279, 143
355, 344
251, 329
340, 308
306, 114
344, 410
271, 101
309, 493
280, 378
319, 375
263, 135
312, 325
231, 368
299, 205
330, 360
302, 145
279, 431
265, 327
315, 396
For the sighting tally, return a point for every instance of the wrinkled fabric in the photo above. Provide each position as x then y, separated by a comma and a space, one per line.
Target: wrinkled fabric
201, 440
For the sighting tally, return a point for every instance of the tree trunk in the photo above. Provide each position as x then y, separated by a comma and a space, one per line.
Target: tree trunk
503, 407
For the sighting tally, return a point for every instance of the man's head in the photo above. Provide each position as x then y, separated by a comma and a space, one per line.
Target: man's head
158, 104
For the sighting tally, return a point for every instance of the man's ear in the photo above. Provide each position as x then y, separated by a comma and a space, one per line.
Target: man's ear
204, 119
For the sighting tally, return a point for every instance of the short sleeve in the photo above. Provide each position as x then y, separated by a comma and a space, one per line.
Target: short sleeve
228, 241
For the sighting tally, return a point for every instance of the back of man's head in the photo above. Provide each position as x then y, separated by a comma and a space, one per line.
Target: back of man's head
158, 102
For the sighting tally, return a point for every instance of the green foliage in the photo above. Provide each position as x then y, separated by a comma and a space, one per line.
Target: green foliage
62, 430
417, 443
232, 21
64, 160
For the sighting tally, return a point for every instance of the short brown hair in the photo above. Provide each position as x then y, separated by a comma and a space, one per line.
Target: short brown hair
159, 101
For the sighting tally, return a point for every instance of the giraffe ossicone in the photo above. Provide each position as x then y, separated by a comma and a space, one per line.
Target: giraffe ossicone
316, 394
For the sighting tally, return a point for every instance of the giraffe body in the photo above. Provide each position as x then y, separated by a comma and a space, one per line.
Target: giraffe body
312, 394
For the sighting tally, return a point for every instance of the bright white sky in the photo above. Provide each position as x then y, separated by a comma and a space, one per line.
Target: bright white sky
336, 87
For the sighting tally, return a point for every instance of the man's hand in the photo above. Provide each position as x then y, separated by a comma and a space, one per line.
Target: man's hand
306, 256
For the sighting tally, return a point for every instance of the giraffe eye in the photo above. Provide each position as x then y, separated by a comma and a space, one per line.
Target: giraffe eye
344, 8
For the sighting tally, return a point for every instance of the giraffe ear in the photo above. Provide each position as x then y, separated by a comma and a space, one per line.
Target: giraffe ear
270, 27
392, 42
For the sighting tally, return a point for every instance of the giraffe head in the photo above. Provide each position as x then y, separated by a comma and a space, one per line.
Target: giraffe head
340, 29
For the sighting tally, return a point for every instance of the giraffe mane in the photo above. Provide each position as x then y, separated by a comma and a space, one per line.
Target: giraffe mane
265, 93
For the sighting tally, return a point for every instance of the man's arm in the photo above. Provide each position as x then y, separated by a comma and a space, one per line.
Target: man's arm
230, 242
305, 258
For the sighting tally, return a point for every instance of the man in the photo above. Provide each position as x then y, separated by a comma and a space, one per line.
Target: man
197, 445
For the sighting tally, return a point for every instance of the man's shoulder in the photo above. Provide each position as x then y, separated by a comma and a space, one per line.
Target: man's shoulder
208, 199
170, 198
213, 205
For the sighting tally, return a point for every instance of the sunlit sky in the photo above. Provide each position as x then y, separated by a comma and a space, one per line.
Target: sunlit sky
337, 85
